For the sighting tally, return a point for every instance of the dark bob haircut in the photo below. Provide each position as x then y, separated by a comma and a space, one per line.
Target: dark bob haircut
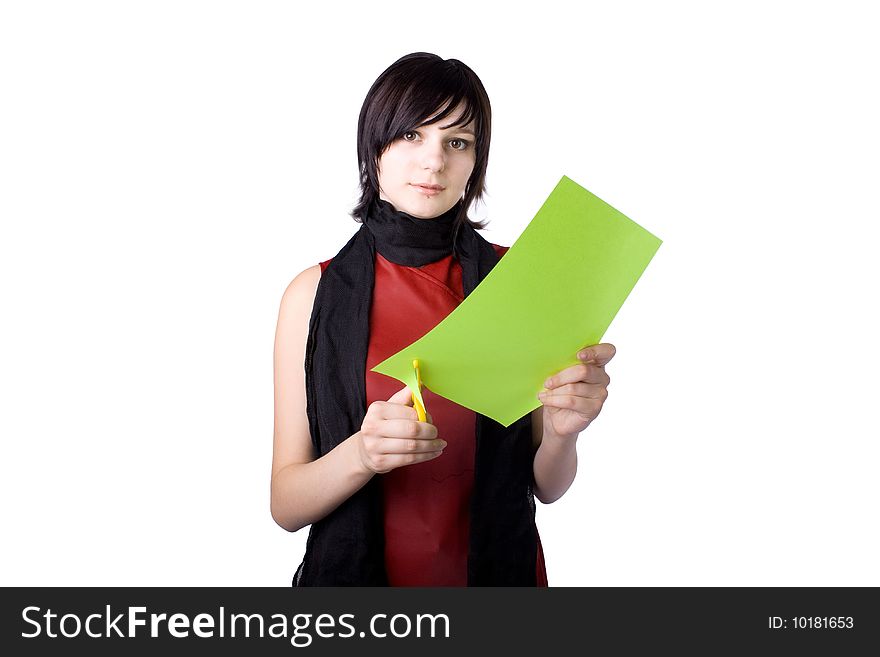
408, 93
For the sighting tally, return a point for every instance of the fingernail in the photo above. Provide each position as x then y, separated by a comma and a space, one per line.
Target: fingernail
548, 383
585, 355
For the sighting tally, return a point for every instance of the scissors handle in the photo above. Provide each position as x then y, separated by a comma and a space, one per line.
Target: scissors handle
420, 409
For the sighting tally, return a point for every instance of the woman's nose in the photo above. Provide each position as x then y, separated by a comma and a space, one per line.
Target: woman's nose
433, 157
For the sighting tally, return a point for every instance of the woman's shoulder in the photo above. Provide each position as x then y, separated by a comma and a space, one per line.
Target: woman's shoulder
307, 276
300, 293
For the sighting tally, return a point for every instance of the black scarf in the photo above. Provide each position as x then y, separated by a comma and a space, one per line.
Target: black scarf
347, 547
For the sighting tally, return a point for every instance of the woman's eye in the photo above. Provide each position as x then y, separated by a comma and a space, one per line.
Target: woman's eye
458, 144
410, 136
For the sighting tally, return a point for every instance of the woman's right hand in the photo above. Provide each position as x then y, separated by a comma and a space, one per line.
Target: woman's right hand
391, 435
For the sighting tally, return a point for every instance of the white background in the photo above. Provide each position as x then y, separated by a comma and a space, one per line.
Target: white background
166, 168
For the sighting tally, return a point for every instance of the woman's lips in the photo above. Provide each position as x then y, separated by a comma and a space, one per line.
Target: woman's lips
428, 190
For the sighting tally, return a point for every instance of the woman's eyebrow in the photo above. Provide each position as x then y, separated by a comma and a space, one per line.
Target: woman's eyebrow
468, 131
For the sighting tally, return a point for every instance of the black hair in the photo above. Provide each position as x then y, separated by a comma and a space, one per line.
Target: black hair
408, 93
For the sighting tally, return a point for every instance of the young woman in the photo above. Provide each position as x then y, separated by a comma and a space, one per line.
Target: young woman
391, 500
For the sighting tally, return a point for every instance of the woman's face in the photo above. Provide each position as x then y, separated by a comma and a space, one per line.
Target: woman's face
424, 173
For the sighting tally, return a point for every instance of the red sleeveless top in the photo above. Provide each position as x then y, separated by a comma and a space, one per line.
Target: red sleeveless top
426, 505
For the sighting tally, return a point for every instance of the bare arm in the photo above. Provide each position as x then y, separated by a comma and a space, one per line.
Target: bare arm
305, 489
555, 464
572, 400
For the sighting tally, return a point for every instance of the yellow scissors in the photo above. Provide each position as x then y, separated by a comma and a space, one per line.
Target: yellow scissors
420, 409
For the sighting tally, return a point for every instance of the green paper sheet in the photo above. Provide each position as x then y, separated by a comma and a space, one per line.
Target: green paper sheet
555, 291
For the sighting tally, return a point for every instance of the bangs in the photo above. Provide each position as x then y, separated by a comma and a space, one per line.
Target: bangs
422, 105
449, 106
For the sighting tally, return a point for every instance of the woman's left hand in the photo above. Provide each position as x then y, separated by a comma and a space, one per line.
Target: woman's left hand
575, 395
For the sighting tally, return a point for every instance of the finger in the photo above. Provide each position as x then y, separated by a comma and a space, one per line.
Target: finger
387, 462
379, 411
403, 396
587, 407
410, 446
580, 373
599, 354
407, 429
587, 390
